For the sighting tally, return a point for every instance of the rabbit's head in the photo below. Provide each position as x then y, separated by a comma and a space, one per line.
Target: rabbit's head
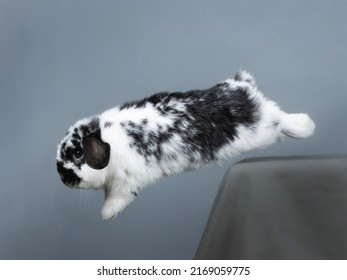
82, 155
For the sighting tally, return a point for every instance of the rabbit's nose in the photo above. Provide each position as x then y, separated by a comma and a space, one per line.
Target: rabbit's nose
68, 176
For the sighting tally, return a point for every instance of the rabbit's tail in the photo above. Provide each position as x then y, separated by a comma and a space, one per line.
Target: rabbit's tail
297, 125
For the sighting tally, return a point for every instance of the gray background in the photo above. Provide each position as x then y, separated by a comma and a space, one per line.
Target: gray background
64, 60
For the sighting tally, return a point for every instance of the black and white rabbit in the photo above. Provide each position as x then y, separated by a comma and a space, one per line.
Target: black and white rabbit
129, 146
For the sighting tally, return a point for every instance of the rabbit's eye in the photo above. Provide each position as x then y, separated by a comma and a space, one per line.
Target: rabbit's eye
77, 155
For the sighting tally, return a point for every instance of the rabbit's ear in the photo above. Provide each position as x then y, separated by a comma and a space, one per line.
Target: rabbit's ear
96, 152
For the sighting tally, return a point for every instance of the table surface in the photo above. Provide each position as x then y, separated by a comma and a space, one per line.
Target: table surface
279, 208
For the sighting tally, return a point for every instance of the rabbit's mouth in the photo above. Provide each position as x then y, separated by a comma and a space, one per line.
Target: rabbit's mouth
68, 176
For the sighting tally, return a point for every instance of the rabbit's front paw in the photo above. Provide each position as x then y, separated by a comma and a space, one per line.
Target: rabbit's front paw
111, 209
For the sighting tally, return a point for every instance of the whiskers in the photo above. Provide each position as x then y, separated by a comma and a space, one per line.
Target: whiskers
81, 195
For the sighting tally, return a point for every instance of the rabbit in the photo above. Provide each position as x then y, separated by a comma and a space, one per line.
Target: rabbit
130, 146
